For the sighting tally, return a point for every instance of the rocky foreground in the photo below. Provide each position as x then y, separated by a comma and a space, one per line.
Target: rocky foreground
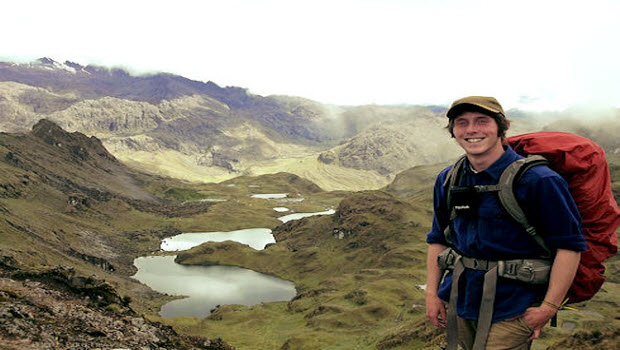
55, 309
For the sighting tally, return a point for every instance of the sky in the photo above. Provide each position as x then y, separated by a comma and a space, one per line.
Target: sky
530, 54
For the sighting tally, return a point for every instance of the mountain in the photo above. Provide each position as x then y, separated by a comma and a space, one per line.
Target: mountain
402, 140
61, 192
200, 122
169, 125
160, 123
60, 195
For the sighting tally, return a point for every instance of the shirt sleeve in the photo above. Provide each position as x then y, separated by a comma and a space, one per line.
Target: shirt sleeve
440, 212
552, 210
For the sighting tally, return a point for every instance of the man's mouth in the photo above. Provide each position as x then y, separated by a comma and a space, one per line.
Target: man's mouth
473, 140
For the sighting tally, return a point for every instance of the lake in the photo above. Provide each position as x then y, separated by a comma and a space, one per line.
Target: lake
256, 238
208, 286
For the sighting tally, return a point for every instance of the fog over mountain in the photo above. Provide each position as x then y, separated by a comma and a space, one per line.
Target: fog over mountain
170, 125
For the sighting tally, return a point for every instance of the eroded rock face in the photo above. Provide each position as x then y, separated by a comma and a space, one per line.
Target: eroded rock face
392, 147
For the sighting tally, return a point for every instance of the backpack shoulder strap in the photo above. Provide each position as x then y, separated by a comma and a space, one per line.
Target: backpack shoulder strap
507, 184
453, 177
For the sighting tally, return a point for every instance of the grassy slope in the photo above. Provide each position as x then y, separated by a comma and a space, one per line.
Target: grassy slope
355, 292
65, 196
328, 177
360, 292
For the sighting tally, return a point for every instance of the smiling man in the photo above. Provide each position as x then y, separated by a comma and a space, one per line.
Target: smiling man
475, 239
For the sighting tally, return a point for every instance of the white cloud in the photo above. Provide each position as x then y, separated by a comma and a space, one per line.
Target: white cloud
559, 53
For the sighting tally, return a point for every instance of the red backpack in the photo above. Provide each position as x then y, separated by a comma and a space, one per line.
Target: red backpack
583, 165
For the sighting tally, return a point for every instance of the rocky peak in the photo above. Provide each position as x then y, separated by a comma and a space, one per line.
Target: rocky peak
77, 143
74, 65
48, 63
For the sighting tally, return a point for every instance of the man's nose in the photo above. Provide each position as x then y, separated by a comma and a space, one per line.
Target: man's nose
471, 127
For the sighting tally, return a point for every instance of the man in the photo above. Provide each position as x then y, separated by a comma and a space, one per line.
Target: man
480, 231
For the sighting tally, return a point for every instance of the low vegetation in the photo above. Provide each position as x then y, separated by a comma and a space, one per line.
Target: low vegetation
359, 272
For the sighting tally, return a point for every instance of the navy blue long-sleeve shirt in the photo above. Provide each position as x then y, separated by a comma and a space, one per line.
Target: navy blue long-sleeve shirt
493, 235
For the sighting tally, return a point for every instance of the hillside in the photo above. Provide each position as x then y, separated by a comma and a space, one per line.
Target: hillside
356, 274
66, 201
62, 191
67, 207
57, 309
73, 219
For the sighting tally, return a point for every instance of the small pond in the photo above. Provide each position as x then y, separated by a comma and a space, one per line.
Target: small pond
297, 216
256, 238
270, 195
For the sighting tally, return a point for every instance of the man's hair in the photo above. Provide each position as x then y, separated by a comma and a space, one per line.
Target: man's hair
503, 123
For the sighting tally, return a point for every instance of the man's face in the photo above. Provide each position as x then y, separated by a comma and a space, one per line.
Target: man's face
477, 133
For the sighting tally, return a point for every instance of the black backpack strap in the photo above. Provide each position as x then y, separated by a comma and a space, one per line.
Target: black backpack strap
452, 178
507, 183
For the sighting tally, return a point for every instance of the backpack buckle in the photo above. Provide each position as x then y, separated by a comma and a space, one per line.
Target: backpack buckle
508, 269
535, 271
446, 259
525, 273
512, 268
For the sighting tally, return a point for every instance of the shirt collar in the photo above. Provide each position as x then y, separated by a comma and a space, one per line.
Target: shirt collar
497, 168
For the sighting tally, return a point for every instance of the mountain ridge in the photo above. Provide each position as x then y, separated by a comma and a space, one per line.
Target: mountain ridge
219, 132
169, 125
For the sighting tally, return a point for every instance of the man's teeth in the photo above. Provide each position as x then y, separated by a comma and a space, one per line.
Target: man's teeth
473, 140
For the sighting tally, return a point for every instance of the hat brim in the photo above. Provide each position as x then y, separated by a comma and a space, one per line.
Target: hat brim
459, 109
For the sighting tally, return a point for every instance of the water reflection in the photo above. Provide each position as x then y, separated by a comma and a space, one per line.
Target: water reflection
256, 238
208, 286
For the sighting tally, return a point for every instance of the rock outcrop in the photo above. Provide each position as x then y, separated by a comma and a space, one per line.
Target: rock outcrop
57, 309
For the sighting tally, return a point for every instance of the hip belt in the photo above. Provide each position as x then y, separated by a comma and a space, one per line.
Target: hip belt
534, 271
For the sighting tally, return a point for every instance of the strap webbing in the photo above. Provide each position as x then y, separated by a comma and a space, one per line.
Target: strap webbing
453, 332
485, 315
509, 178
505, 188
